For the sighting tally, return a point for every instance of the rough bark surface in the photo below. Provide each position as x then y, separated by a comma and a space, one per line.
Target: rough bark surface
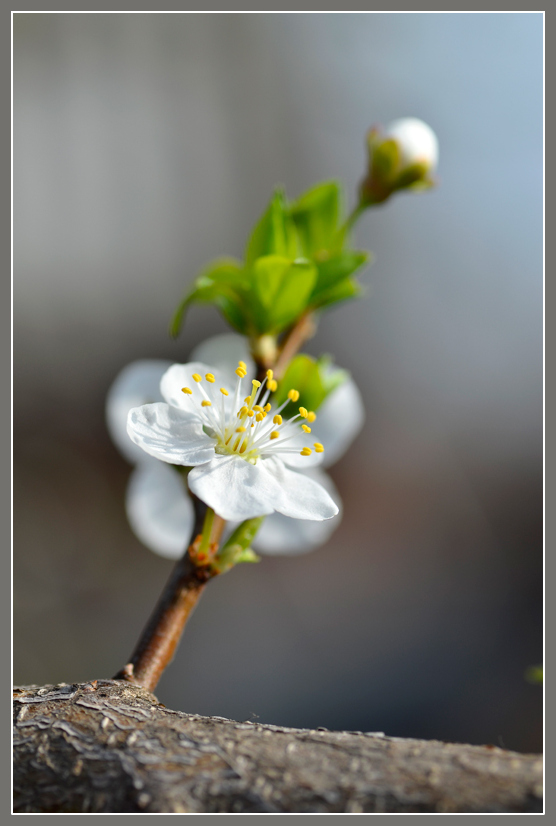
109, 747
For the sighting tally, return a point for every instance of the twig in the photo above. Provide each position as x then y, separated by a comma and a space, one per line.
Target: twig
159, 640
297, 336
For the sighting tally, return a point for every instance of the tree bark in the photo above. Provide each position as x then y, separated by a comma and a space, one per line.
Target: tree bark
110, 747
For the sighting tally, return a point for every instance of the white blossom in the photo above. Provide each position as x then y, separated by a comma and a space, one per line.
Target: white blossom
158, 507
241, 451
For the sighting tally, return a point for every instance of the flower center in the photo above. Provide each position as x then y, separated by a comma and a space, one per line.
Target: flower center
246, 426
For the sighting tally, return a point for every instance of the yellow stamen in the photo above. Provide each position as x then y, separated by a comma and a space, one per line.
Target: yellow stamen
242, 365
243, 412
241, 373
186, 390
258, 408
319, 448
274, 434
247, 399
197, 377
311, 416
241, 429
270, 374
293, 395
303, 412
223, 391
243, 447
277, 419
259, 417
268, 407
253, 425
306, 451
305, 428
206, 403
256, 384
210, 378
250, 413
272, 385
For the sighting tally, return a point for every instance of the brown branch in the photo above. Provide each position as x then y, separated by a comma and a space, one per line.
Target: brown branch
297, 336
160, 637
109, 747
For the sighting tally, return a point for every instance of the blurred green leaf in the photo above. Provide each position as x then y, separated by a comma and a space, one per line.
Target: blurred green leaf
248, 555
281, 290
276, 286
315, 379
316, 214
336, 269
233, 309
222, 283
302, 374
274, 234
348, 288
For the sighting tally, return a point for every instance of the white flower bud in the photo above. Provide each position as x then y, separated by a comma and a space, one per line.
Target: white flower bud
402, 156
416, 141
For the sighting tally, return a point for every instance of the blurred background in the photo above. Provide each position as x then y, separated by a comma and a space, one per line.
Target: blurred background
147, 144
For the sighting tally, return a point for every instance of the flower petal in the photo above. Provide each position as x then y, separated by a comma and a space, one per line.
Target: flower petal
235, 488
300, 496
181, 375
136, 384
170, 434
416, 141
281, 535
159, 509
339, 419
224, 352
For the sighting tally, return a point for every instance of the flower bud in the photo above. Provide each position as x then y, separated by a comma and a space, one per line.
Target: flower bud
402, 156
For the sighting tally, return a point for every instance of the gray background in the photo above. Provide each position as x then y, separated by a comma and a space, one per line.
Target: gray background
145, 145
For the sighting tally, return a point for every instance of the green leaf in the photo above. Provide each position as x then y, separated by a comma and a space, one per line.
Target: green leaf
274, 234
315, 214
303, 374
222, 282
315, 379
349, 288
336, 269
237, 548
248, 555
280, 291
233, 309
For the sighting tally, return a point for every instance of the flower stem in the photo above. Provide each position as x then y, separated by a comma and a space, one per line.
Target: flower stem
159, 640
352, 218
